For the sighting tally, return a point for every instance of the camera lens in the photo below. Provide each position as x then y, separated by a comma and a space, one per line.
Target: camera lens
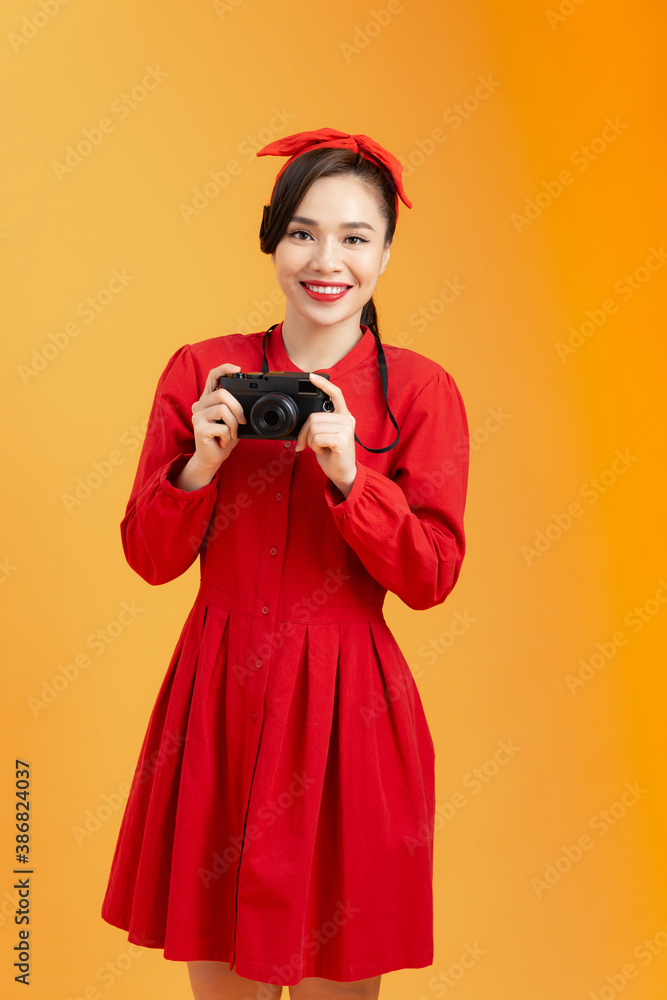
274, 415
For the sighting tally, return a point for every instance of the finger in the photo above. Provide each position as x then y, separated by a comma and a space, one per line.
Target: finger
333, 391
215, 373
224, 413
319, 441
327, 419
210, 430
212, 415
229, 411
339, 424
220, 396
302, 436
226, 397
225, 369
342, 423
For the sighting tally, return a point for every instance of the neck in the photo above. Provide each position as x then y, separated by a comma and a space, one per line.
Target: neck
311, 347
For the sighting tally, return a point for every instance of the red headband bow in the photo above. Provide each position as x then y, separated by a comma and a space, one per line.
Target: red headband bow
322, 138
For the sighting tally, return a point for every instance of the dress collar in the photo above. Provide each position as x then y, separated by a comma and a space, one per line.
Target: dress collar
280, 360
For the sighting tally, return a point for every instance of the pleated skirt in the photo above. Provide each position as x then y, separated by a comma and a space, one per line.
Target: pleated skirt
281, 812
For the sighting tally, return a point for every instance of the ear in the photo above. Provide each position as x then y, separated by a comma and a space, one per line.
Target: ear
385, 258
273, 258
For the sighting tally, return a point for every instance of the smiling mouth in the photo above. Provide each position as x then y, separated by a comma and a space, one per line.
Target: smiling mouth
325, 289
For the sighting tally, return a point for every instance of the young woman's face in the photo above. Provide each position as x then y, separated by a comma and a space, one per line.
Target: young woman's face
335, 239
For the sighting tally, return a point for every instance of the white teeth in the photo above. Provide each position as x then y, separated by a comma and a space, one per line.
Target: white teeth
326, 290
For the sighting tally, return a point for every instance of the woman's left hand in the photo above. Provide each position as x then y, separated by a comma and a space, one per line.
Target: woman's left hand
331, 436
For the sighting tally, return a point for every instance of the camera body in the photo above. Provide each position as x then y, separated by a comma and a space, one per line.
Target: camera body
275, 404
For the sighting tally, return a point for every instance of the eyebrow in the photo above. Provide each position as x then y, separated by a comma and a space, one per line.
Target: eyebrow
343, 225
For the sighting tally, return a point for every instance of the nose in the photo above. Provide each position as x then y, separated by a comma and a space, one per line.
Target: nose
326, 256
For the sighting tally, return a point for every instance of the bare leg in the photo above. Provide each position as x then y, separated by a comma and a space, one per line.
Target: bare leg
215, 981
314, 988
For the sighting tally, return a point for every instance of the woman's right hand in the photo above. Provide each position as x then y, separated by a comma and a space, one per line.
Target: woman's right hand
214, 441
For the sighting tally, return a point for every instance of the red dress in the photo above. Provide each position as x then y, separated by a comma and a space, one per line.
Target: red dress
282, 809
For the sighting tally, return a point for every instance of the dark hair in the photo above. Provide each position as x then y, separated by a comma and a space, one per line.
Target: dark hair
304, 171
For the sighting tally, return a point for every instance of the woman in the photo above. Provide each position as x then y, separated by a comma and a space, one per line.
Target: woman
279, 829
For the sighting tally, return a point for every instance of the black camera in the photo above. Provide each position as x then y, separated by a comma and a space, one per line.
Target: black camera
275, 404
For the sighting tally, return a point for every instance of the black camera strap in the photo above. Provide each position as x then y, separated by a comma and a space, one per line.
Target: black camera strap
382, 364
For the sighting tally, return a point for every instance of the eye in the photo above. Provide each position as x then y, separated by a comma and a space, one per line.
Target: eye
303, 232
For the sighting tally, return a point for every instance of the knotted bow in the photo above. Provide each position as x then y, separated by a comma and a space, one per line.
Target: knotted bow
323, 138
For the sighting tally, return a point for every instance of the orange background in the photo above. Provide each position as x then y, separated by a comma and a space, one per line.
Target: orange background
544, 426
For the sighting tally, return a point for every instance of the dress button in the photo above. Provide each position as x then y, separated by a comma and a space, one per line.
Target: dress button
253, 716
265, 609
279, 496
258, 663
286, 444
273, 550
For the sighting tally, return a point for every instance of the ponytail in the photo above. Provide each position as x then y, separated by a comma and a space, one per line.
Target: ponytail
369, 318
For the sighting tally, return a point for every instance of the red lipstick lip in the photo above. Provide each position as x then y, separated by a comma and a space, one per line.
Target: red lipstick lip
328, 284
325, 296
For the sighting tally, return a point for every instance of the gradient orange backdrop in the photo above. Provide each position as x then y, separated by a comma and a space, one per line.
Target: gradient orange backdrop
533, 141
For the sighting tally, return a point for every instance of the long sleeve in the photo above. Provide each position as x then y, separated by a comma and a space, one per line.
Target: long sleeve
163, 526
407, 529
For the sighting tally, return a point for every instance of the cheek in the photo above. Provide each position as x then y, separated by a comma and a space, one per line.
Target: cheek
290, 261
370, 271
